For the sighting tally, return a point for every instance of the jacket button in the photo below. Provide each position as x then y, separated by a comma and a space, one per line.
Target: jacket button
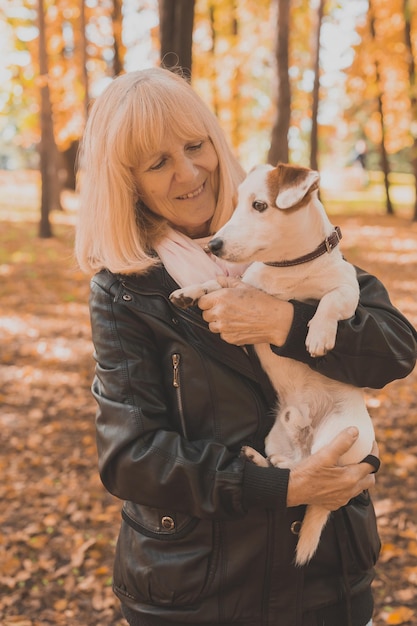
167, 522
126, 297
296, 527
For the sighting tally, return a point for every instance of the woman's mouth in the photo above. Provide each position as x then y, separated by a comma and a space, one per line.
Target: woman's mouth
192, 194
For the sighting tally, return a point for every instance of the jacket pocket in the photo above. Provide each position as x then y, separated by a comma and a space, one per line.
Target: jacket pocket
349, 541
157, 558
362, 539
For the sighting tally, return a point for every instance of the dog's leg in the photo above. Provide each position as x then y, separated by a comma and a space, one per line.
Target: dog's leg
189, 296
254, 456
336, 305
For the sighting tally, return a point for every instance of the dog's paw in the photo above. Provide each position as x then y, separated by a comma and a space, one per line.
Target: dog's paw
277, 460
189, 296
184, 298
320, 337
253, 456
181, 301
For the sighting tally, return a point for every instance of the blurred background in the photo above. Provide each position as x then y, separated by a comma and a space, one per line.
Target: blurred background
329, 84
325, 83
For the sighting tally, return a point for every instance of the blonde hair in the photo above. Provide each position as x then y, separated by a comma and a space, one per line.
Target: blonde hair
127, 122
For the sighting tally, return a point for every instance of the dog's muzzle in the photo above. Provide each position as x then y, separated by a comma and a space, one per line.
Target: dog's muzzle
215, 245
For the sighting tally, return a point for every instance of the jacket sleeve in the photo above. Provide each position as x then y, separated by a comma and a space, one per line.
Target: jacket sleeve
374, 347
142, 457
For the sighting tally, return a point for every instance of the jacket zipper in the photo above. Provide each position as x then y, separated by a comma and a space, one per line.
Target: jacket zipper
176, 383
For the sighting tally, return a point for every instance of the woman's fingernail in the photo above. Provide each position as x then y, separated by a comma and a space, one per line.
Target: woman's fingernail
353, 432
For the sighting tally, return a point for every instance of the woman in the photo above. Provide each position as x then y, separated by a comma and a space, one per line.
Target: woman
207, 538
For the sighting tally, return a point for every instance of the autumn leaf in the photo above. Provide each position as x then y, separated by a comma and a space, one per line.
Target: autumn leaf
401, 615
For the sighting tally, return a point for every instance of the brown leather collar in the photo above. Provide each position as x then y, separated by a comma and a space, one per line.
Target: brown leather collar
326, 246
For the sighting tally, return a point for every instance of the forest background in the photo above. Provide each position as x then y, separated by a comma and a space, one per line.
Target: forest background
324, 83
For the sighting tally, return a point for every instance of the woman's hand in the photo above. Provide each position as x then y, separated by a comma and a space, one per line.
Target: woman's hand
242, 314
320, 480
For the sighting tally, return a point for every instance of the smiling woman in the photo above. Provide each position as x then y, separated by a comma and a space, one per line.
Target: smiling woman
207, 538
177, 183
152, 153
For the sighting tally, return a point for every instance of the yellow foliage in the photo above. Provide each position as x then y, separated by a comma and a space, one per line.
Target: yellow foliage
387, 55
400, 615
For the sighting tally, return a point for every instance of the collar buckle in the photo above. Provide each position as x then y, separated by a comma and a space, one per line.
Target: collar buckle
333, 240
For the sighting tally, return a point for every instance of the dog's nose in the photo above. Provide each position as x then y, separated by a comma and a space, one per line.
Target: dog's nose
215, 245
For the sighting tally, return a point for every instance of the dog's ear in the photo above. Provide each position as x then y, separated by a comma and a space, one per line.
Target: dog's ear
292, 183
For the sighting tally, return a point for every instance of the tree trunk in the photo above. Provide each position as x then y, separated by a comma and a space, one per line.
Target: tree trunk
119, 49
214, 90
84, 59
413, 96
236, 82
383, 151
316, 90
69, 158
279, 138
47, 143
176, 22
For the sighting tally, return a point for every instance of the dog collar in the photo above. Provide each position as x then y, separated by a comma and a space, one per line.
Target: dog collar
326, 246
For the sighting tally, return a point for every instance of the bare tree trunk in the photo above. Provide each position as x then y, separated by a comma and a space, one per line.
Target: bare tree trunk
279, 138
413, 95
83, 49
383, 151
236, 80
69, 155
46, 144
176, 22
215, 93
119, 49
316, 90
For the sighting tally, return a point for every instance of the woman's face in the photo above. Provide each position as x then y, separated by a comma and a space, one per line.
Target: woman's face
176, 183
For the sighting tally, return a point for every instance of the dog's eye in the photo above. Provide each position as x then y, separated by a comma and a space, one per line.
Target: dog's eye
259, 206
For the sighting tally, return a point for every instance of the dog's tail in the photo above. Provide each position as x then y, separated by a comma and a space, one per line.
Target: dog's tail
314, 521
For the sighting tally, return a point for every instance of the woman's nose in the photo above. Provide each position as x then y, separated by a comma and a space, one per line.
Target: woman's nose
185, 170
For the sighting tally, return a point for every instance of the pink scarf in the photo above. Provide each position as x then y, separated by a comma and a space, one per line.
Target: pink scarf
189, 262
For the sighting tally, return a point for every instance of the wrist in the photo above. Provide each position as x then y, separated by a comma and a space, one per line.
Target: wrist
292, 499
284, 319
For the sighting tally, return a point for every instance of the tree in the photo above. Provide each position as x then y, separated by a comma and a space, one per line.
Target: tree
378, 80
279, 138
176, 22
119, 49
212, 64
82, 41
316, 89
47, 146
413, 95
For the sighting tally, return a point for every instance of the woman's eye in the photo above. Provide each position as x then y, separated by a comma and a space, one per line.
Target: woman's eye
195, 146
158, 165
259, 206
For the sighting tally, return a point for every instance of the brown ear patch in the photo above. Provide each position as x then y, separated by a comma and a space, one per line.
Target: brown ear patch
289, 184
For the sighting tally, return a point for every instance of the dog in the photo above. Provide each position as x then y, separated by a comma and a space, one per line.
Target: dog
281, 228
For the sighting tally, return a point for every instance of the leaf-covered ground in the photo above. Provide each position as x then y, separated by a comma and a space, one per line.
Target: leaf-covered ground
58, 524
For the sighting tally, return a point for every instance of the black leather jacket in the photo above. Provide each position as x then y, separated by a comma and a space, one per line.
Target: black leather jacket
206, 538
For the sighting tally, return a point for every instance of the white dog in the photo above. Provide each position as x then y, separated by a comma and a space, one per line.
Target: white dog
281, 227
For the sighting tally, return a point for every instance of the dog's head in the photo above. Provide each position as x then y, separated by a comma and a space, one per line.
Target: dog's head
267, 216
